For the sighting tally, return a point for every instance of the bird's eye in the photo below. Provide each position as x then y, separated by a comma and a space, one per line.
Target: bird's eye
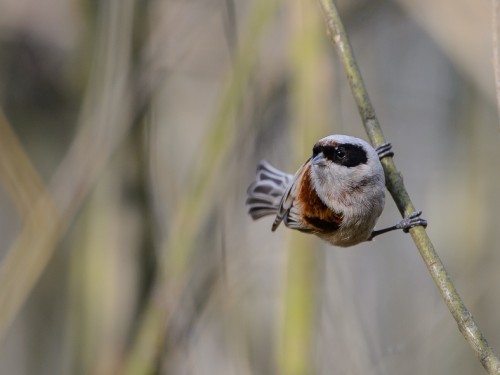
340, 153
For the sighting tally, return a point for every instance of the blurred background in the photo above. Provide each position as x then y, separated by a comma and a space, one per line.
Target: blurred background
129, 132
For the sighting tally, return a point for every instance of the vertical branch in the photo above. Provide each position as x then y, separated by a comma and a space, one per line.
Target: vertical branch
394, 181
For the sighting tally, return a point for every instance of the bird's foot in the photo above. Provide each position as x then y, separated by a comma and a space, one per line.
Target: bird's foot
412, 220
384, 150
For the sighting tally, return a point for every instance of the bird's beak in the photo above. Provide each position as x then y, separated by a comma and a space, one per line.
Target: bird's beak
319, 160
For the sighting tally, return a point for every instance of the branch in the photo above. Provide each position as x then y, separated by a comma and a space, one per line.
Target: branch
394, 182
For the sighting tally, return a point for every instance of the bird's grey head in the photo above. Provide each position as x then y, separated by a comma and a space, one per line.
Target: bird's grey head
341, 163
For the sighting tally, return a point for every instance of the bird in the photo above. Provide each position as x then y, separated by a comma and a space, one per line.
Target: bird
338, 194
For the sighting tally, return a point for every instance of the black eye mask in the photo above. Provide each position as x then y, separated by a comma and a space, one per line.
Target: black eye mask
348, 155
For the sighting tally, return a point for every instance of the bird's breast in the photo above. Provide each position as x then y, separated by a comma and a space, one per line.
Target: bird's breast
315, 213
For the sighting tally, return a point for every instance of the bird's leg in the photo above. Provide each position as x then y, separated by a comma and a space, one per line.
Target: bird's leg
412, 220
384, 150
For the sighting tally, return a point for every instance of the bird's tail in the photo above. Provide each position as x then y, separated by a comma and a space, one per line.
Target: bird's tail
264, 194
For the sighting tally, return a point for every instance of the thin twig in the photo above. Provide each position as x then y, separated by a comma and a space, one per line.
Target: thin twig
394, 181
496, 57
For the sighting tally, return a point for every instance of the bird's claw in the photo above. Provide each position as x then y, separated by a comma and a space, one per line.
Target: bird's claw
411, 221
384, 150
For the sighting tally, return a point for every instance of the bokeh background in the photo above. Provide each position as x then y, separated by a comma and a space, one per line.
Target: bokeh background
129, 133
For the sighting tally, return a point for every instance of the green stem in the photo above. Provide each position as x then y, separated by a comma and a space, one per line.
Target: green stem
395, 185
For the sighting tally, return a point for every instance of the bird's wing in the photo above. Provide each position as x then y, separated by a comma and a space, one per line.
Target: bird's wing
288, 197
